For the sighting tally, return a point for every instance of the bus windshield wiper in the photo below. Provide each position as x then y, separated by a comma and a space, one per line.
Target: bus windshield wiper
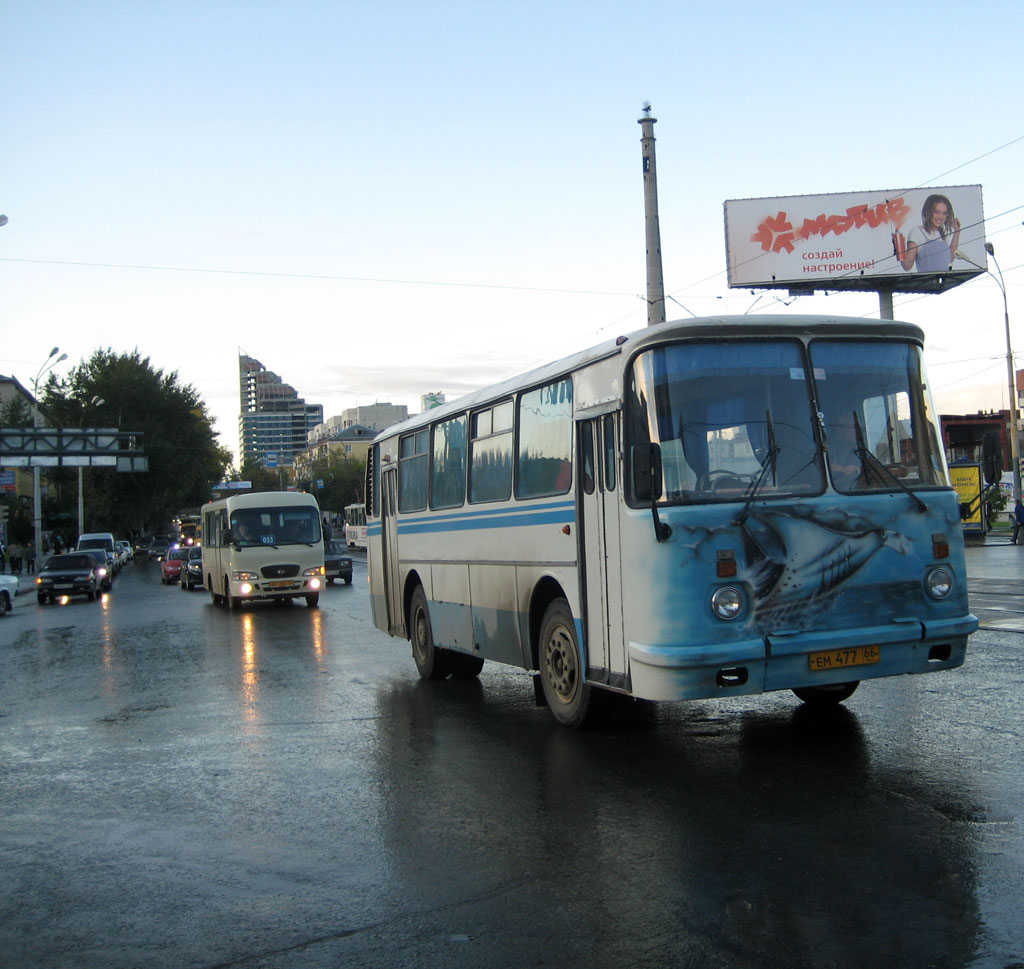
871, 465
770, 463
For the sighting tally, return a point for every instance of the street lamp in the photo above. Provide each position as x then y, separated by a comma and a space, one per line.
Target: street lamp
37, 507
94, 402
1011, 376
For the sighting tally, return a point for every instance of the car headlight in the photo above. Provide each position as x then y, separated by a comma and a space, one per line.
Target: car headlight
727, 602
938, 582
244, 576
317, 571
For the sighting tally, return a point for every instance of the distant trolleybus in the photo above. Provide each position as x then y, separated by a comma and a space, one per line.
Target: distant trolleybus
355, 525
267, 545
706, 508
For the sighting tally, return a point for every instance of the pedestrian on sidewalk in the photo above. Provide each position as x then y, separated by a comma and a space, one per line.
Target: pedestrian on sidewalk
1018, 519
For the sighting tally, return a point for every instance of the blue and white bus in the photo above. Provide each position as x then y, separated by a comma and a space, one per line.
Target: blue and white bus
705, 508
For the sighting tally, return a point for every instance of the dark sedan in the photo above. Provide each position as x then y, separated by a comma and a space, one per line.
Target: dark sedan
191, 573
74, 574
337, 565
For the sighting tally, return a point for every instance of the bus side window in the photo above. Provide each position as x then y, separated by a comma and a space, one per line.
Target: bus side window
609, 452
587, 456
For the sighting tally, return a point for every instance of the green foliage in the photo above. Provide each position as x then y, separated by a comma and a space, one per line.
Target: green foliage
16, 413
125, 392
343, 482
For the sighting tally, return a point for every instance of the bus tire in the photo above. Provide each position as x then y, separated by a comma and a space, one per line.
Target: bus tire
826, 695
465, 667
312, 600
432, 663
234, 602
214, 595
572, 701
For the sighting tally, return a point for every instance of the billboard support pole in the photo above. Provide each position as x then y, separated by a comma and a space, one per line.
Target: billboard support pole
655, 279
885, 311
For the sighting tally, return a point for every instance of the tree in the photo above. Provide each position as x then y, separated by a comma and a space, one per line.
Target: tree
16, 413
342, 479
124, 391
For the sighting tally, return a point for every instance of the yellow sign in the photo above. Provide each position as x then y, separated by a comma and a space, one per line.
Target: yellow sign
968, 484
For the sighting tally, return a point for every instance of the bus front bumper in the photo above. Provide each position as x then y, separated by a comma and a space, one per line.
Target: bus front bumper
784, 660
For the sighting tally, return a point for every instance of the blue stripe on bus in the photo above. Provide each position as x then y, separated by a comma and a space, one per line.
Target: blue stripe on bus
564, 512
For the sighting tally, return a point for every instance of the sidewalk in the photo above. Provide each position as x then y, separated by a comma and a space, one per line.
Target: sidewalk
993, 557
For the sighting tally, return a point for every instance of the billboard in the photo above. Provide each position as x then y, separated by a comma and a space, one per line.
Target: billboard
922, 240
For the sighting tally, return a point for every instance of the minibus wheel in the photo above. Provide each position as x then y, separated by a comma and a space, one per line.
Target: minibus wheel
827, 694
312, 600
432, 663
571, 699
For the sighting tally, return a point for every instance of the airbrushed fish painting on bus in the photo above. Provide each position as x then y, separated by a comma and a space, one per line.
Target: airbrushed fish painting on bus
706, 508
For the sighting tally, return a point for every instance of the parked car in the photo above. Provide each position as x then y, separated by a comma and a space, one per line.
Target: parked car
172, 564
8, 590
192, 568
127, 553
71, 574
101, 559
337, 565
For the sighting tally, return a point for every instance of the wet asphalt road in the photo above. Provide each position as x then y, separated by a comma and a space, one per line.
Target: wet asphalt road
182, 786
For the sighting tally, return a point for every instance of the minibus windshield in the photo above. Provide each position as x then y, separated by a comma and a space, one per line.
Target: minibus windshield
298, 525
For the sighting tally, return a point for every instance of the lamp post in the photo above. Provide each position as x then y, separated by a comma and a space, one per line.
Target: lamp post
37, 506
1011, 376
94, 402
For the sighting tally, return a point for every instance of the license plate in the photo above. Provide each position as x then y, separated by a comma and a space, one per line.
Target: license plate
64, 585
280, 584
839, 659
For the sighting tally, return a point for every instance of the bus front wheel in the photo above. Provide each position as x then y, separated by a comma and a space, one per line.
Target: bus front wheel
826, 695
432, 663
573, 702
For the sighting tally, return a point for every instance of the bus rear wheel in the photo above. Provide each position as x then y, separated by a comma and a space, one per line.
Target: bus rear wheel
826, 695
432, 663
573, 702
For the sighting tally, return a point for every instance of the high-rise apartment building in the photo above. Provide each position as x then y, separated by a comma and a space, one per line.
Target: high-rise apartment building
274, 420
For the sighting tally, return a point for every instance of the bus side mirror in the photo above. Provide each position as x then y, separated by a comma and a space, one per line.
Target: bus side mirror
647, 472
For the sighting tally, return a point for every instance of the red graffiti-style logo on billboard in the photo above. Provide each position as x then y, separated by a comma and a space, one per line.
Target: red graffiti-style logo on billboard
776, 233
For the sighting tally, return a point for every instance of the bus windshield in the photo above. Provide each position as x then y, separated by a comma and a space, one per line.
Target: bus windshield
297, 525
738, 418
723, 413
876, 415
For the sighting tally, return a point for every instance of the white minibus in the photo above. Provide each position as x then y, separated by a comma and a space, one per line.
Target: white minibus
263, 545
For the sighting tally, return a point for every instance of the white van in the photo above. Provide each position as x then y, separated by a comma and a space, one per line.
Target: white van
105, 541
267, 545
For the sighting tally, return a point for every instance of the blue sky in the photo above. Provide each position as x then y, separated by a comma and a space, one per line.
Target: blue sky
383, 199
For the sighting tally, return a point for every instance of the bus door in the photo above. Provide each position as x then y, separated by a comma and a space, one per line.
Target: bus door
597, 525
389, 549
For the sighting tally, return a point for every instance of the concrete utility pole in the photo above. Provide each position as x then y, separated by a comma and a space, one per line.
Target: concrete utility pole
655, 280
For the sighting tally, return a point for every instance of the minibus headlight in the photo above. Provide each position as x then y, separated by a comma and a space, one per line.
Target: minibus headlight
316, 571
938, 582
244, 576
727, 602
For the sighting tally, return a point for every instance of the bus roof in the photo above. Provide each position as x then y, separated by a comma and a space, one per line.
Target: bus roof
701, 327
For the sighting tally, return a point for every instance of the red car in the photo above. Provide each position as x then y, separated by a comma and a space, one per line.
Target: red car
171, 565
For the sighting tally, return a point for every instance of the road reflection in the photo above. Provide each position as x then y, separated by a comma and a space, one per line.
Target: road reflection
763, 832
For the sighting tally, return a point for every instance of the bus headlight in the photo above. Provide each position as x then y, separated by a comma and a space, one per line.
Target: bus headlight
727, 602
317, 571
244, 576
938, 582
